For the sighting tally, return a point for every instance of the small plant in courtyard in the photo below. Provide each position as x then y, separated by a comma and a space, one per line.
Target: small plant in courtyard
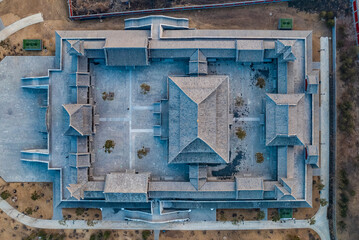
261, 83
35, 196
146, 234
275, 216
62, 222
142, 152
145, 88
91, 223
104, 96
239, 101
241, 134
109, 145
311, 221
221, 216
320, 186
108, 96
5, 194
260, 215
293, 237
80, 211
28, 211
323, 202
259, 157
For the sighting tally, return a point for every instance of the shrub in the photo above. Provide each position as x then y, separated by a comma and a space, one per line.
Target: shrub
146, 234
79, 211
261, 83
260, 215
104, 96
340, 44
239, 101
312, 221
343, 204
109, 145
346, 120
241, 134
329, 15
222, 217
91, 223
322, 14
320, 185
330, 23
142, 152
5, 194
43, 235
342, 32
352, 193
106, 235
293, 237
145, 88
342, 226
259, 157
323, 202
275, 216
28, 211
35, 196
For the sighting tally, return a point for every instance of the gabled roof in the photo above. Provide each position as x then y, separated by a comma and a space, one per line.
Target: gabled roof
283, 114
117, 182
198, 119
285, 52
80, 119
198, 63
77, 47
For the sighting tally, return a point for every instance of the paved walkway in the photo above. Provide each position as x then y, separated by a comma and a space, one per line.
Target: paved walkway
18, 25
321, 226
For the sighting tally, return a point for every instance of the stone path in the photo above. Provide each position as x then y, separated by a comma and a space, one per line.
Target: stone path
18, 25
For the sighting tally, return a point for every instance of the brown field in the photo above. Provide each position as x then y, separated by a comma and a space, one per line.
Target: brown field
55, 14
347, 158
85, 7
82, 214
236, 214
21, 200
251, 214
303, 234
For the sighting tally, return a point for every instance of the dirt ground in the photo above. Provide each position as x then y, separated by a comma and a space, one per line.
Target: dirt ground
55, 14
347, 158
86, 7
20, 198
307, 213
82, 214
237, 214
251, 214
303, 234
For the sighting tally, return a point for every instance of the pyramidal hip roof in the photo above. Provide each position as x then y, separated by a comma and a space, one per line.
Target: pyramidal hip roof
198, 117
80, 119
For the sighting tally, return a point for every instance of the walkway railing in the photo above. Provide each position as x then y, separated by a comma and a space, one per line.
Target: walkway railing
356, 20
173, 9
333, 133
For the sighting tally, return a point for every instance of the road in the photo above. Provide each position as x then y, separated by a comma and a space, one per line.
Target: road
18, 25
